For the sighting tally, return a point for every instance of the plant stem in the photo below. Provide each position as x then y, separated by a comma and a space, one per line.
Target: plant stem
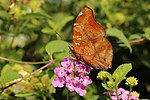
44, 98
117, 94
67, 98
129, 93
22, 62
109, 95
25, 77
136, 41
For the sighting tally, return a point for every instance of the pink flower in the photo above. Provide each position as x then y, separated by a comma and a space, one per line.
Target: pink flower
75, 78
70, 86
86, 81
56, 70
83, 68
114, 97
80, 89
60, 71
58, 82
123, 95
66, 62
68, 78
70, 68
121, 90
133, 97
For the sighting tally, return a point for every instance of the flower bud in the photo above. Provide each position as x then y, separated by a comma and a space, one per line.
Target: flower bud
131, 81
102, 75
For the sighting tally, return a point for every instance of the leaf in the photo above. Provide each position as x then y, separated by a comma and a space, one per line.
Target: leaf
48, 31
24, 94
91, 91
147, 33
57, 46
119, 34
106, 87
143, 55
5, 69
4, 14
51, 88
40, 15
9, 76
45, 80
121, 72
135, 36
59, 21
62, 55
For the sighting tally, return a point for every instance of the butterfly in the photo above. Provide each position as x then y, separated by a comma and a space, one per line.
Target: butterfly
89, 43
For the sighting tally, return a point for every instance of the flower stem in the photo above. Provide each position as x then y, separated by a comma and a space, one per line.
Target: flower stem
117, 94
22, 62
67, 98
129, 93
109, 95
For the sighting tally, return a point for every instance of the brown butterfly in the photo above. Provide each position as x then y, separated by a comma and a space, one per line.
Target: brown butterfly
89, 42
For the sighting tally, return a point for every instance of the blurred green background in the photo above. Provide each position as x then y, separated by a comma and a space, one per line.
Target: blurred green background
26, 26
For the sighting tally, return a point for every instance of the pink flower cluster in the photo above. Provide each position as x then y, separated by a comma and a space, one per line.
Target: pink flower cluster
73, 75
123, 95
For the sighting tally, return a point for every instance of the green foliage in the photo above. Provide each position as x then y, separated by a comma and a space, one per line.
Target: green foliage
111, 82
57, 24
119, 35
24, 94
8, 75
121, 72
90, 91
62, 49
147, 33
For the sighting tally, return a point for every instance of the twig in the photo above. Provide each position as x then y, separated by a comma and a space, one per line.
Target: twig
36, 71
136, 41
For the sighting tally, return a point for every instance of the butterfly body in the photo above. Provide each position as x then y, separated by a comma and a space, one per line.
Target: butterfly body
89, 42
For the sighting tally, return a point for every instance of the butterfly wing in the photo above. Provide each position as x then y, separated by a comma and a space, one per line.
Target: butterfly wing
90, 45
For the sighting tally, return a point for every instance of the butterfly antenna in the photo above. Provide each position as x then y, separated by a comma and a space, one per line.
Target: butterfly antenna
59, 35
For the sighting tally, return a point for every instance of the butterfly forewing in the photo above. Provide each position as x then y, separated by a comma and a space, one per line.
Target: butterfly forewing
89, 43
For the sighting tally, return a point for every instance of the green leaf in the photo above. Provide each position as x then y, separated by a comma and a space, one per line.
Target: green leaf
91, 91
57, 23
48, 31
119, 34
62, 55
4, 14
24, 94
122, 70
106, 87
40, 15
9, 76
51, 87
5, 69
135, 36
57, 46
147, 33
